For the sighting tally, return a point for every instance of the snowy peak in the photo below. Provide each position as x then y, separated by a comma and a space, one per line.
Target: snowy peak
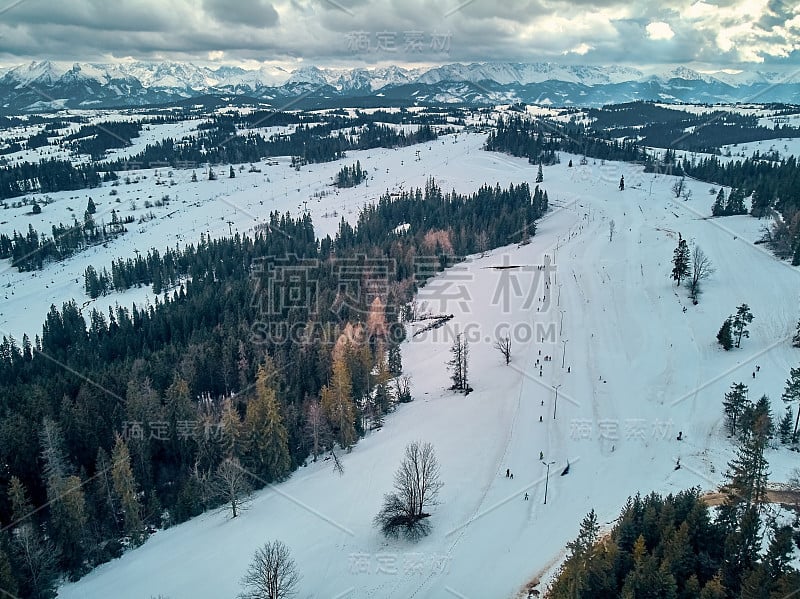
528, 73
686, 74
133, 82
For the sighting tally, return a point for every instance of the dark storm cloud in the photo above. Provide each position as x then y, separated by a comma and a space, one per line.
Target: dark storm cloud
348, 32
256, 13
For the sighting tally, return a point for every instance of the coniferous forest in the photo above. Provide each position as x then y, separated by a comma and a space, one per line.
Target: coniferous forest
228, 368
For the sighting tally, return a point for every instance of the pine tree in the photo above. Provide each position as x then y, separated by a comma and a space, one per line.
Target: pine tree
791, 393
725, 334
680, 261
125, 491
539, 174
268, 447
741, 319
232, 174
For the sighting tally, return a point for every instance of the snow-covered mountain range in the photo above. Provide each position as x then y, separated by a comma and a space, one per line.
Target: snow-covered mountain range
47, 85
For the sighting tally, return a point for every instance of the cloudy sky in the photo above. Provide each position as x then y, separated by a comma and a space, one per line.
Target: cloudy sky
704, 34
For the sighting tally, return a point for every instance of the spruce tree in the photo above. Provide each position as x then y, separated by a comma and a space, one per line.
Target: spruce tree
785, 426
734, 404
796, 252
232, 435
395, 361
791, 394
718, 209
725, 334
747, 472
680, 261
459, 364
735, 203
587, 536
741, 319
539, 174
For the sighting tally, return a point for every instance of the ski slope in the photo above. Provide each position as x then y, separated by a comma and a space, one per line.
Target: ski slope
640, 370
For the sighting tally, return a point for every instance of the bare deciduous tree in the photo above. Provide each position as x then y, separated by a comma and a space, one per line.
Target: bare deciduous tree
459, 364
701, 269
611, 228
678, 187
37, 558
503, 345
402, 389
416, 487
231, 485
482, 243
338, 467
272, 574
317, 428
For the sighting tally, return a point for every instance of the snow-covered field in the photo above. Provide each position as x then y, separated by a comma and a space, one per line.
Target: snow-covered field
637, 369
224, 206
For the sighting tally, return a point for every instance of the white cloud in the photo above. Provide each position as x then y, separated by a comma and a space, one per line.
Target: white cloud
659, 30
580, 49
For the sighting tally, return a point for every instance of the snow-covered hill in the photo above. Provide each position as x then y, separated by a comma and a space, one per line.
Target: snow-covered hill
632, 370
46, 84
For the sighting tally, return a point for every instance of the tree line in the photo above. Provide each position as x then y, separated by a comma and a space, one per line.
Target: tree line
34, 249
540, 140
